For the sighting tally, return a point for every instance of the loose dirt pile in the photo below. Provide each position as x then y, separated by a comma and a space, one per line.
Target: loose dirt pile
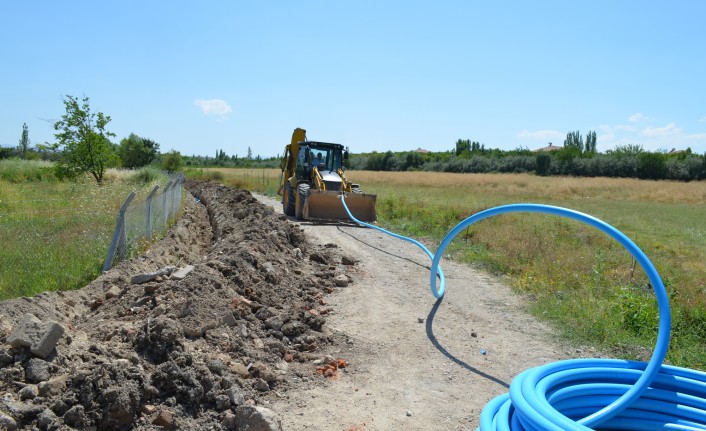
207, 351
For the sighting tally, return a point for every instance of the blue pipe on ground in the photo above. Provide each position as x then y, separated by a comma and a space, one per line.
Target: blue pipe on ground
438, 293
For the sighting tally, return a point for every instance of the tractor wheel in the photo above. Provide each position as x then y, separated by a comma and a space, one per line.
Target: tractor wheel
288, 200
302, 195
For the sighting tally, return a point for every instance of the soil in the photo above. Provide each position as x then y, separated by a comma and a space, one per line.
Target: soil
330, 326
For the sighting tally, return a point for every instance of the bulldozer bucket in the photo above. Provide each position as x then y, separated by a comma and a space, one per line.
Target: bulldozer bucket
326, 205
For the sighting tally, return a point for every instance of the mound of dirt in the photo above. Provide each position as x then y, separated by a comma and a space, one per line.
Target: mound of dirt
205, 350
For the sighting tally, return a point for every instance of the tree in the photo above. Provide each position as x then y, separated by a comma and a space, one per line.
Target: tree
23, 147
574, 140
172, 161
590, 147
136, 151
462, 145
83, 141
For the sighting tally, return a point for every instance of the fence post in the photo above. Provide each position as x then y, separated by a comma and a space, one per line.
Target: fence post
118, 234
165, 195
148, 206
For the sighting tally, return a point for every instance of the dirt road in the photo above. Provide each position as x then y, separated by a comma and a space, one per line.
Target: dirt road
415, 363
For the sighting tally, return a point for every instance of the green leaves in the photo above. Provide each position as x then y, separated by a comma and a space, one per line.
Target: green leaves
83, 141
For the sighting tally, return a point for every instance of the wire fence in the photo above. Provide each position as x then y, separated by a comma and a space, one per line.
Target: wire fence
140, 222
57, 235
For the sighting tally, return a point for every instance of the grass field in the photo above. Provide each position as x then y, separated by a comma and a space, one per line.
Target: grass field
55, 234
578, 277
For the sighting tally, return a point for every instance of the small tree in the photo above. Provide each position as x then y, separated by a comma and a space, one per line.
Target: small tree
23, 147
83, 141
172, 161
136, 151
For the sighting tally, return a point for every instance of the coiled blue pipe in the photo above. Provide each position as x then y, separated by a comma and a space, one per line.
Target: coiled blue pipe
583, 394
438, 293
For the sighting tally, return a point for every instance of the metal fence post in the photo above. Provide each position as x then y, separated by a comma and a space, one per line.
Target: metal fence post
118, 234
148, 207
165, 195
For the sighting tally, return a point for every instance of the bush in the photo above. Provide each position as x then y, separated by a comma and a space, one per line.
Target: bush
145, 176
652, 166
172, 161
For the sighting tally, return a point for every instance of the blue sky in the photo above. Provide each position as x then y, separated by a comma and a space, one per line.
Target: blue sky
197, 77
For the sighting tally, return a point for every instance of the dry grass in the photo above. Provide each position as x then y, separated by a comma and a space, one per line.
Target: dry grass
557, 188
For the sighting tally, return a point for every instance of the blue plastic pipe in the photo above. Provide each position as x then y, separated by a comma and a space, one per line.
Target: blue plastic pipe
438, 293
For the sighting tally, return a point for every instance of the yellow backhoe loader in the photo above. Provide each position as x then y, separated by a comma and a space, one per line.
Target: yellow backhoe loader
312, 179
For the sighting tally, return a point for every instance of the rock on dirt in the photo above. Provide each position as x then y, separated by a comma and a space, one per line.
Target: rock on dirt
200, 352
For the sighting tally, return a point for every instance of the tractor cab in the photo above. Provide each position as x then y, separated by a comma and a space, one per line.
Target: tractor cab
323, 156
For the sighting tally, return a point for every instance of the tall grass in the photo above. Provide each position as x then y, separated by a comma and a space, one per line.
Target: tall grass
263, 181
576, 276
55, 234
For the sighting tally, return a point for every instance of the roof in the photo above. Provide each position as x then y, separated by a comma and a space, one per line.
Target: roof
421, 150
550, 147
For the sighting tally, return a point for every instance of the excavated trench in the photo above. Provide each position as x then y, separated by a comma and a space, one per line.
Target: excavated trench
207, 351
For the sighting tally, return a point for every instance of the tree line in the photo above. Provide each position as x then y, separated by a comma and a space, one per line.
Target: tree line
83, 145
577, 157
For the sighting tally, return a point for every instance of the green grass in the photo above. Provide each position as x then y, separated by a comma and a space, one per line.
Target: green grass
576, 277
55, 234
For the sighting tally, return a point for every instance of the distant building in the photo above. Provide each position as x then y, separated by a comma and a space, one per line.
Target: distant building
675, 151
421, 150
550, 147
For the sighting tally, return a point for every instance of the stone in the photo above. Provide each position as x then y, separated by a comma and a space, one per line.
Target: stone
256, 418
112, 292
5, 326
29, 392
47, 420
23, 412
149, 276
239, 369
318, 257
181, 273
341, 280
261, 385
7, 422
151, 288
216, 366
6, 356
222, 402
228, 319
53, 387
235, 396
274, 322
228, 421
41, 338
37, 370
164, 419
347, 260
